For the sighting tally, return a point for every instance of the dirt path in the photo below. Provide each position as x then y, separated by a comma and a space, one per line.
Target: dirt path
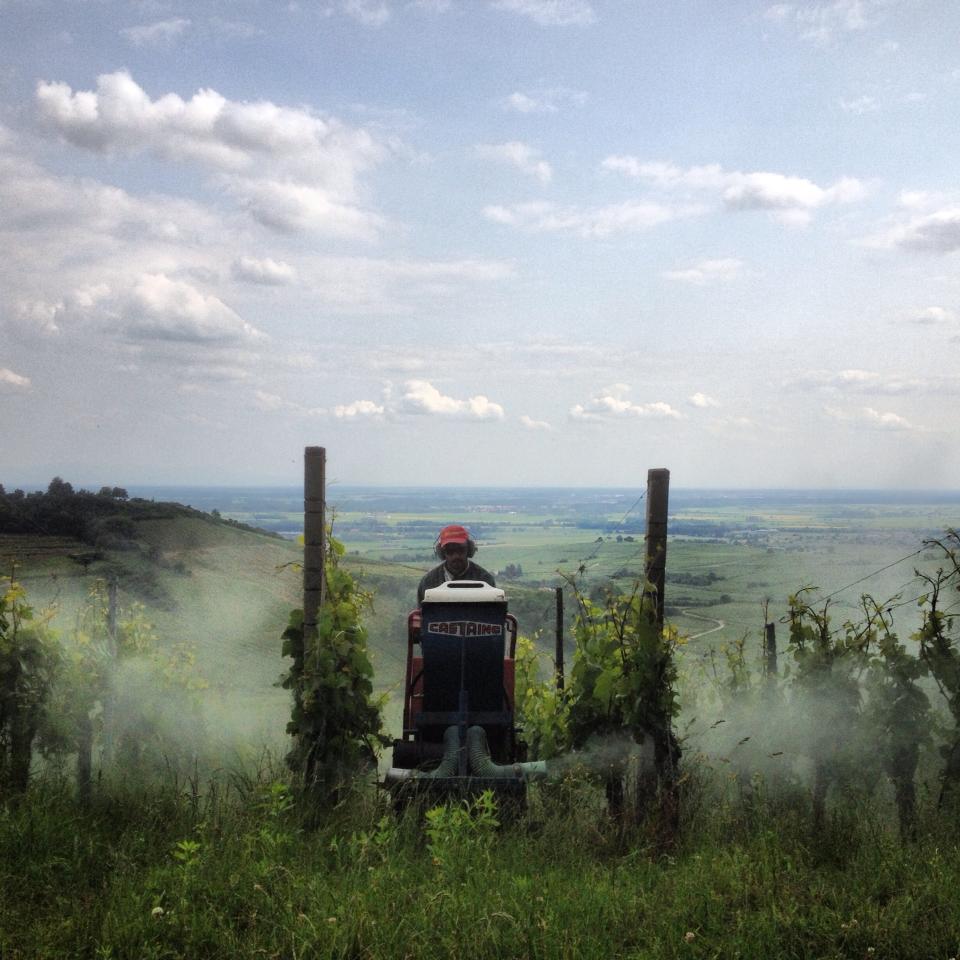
720, 624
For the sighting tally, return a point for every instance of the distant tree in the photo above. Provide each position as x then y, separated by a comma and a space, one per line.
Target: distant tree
120, 493
105, 492
59, 488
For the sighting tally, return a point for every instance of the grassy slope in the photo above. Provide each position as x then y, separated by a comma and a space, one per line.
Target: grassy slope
167, 875
227, 592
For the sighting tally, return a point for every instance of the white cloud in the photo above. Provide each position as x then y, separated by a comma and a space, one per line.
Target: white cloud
371, 13
291, 167
931, 316
778, 12
218, 372
702, 401
12, 379
667, 175
547, 100
524, 103
397, 286
532, 424
158, 308
235, 29
153, 309
791, 198
843, 380
74, 214
520, 155
156, 34
550, 13
597, 222
612, 404
266, 271
708, 271
859, 105
431, 6
937, 232
296, 207
871, 418
422, 397
855, 381
775, 191
358, 409
822, 23
269, 402
919, 199
36, 317
273, 403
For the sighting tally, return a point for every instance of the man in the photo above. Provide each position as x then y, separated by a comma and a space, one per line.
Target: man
455, 547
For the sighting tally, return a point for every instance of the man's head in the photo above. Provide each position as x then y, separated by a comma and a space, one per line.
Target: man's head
455, 547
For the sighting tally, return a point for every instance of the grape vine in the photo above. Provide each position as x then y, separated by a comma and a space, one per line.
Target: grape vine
335, 720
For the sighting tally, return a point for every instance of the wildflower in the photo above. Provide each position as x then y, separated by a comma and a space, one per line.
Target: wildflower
331, 920
689, 936
157, 912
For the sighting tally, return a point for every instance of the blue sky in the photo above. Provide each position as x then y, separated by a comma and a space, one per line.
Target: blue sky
497, 241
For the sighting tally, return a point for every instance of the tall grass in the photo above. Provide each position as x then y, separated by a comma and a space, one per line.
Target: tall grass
233, 871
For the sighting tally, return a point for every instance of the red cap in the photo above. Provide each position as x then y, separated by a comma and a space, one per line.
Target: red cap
453, 534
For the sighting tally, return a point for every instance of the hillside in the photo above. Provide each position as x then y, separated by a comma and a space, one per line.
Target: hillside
222, 587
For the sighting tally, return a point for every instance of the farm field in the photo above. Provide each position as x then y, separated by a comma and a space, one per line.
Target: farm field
729, 551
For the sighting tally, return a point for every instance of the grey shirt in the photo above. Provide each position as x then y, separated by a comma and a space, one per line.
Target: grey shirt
440, 575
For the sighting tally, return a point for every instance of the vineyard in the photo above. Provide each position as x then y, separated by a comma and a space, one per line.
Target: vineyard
801, 801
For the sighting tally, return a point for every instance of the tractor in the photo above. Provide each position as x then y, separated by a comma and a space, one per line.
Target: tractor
459, 723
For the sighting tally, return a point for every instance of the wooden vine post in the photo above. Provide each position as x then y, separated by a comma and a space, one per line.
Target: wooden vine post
314, 555
558, 649
770, 651
314, 538
655, 567
666, 747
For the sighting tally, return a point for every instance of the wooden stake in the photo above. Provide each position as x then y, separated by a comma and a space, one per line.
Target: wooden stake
770, 650
558, 658
655, 567
112, 615
314, 535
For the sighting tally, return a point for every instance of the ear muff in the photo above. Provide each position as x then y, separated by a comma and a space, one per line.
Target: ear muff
471, 548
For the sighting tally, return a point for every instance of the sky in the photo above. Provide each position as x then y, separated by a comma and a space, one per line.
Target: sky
480, 242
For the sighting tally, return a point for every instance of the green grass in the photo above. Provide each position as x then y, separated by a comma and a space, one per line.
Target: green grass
233, 873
